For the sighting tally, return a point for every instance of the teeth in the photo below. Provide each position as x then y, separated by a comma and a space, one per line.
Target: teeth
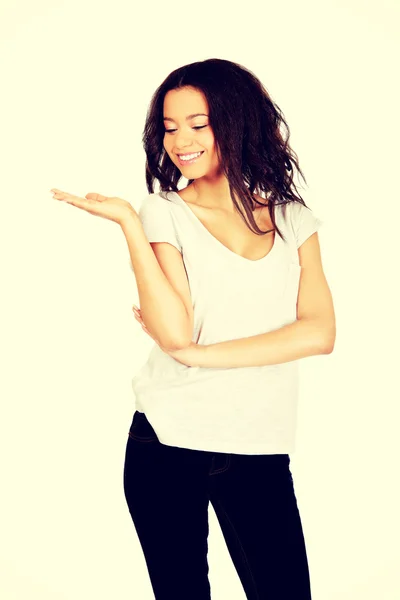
189, 156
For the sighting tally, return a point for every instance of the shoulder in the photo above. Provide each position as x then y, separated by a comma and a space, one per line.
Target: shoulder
295, 210
155, 207
301, 219
155, 201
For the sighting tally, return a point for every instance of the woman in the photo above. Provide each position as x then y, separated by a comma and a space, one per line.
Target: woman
232, 290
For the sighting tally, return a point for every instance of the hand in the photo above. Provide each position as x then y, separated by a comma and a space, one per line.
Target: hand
113, 209
187, 356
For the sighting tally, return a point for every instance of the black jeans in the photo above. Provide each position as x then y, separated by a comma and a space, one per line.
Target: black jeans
168, 489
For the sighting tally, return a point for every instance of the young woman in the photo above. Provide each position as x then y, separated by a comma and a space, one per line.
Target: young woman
232, 291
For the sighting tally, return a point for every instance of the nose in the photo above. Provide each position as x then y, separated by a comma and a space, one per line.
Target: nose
182, 141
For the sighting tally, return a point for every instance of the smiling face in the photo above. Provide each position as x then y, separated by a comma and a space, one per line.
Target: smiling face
187, 131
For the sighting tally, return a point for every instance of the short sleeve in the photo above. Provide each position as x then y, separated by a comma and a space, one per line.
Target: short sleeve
304, 222
157, 221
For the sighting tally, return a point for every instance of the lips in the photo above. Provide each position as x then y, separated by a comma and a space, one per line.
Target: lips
189, 162
189, 153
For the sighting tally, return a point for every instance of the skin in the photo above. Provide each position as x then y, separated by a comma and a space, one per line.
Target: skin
210, 188
184, 135
178, 104
187, 356
119, 211
314, 330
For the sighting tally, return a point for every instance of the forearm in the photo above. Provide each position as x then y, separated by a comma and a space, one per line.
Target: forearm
162, 310
296, 340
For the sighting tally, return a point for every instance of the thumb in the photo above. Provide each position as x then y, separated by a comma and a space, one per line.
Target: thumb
94, 196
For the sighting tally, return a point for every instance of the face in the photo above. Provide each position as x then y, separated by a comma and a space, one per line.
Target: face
187, 134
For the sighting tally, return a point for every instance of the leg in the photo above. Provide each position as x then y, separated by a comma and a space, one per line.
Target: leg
166, 492
255, 504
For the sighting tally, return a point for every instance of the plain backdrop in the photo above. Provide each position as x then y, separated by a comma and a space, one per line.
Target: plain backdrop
76, 80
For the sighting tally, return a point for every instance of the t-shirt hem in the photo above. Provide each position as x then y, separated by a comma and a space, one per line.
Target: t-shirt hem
230, 447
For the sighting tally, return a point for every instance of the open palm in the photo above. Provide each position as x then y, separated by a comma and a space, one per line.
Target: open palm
111, 208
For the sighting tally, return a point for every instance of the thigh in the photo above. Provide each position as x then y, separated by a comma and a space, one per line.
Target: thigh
166, 492
256, 506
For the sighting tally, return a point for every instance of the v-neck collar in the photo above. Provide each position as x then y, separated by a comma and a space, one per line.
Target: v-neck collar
218, 242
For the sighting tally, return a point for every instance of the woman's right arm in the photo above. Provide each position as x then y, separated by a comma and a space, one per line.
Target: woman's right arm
163, 311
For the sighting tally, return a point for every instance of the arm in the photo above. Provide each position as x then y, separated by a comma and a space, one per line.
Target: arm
313, 332
293, 341
162, 309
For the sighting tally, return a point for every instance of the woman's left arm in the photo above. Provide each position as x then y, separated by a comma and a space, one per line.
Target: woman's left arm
314, 331
305, 337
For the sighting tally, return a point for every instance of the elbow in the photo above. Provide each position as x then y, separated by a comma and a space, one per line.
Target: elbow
328, 341
322, 335
169, 341
180, 343
186, 339
174, 347
328, 348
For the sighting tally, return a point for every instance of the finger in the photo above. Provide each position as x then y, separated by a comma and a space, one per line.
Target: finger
61, 193
139, 320
97, 197
87, 201
58, 193
91, 206
66, 197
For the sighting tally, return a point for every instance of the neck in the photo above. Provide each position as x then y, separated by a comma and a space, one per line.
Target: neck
213, 193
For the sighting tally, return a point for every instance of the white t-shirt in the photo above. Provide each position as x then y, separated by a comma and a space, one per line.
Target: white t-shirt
246, 410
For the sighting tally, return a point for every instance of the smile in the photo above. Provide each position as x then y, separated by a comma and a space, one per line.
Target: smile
189, 159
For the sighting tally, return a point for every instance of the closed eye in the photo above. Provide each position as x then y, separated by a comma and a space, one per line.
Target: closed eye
198, 127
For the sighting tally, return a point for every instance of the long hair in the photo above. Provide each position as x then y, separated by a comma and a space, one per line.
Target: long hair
254, 155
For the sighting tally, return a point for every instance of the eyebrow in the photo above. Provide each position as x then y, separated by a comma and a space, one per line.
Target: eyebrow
188, 117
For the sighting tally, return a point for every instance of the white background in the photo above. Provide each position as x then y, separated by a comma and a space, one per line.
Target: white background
76, 80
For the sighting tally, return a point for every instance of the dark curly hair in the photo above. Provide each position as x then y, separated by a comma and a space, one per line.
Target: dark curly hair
253, 154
